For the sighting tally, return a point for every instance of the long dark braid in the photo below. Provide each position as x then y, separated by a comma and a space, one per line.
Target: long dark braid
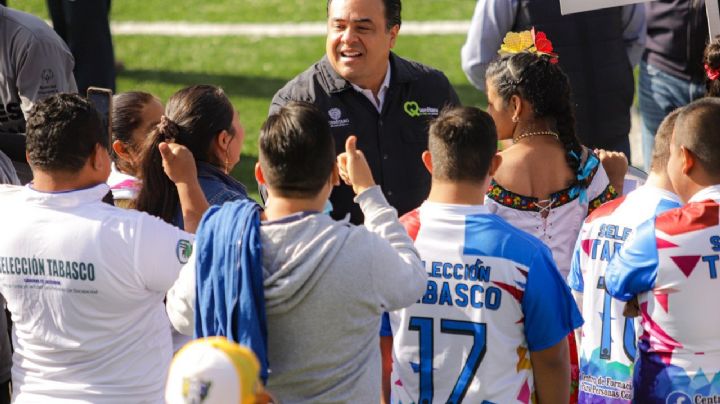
542, 83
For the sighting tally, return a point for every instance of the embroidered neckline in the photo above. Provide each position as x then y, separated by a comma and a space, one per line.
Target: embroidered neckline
505, 197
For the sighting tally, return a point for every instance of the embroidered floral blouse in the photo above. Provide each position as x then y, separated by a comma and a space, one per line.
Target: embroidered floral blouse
565, 211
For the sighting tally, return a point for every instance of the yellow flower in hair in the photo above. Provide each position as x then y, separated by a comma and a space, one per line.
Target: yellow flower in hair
516, 42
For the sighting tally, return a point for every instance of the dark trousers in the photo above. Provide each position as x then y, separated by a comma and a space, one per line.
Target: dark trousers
85, 27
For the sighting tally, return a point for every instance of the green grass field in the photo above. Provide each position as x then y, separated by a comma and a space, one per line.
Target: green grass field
251, 70
254, 10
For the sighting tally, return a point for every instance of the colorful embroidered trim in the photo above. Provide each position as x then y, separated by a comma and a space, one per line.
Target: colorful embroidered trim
512, 200
609, 194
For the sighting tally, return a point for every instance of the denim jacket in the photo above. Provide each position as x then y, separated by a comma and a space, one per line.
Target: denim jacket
217, 186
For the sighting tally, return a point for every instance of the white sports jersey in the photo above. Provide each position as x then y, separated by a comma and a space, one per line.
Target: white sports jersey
494, 294
671, 264
607, 350
85, 283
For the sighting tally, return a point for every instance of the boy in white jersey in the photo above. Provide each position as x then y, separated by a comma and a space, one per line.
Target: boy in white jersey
492, 325
670, 265
84, 280
607, 341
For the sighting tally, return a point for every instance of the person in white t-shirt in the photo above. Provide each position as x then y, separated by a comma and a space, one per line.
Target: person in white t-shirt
493, 322
84, 280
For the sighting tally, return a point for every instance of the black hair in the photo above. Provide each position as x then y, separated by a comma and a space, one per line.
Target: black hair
661, 146
712, 61
62, 132
195, 116
297, 151
393, 11
536, 79
697, 127
462, 142
127, 111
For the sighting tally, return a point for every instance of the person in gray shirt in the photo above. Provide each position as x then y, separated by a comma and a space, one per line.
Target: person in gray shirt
326, 282
34, 63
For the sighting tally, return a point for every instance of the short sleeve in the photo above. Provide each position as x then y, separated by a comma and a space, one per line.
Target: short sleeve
45, 69
575, 277
633, 270
162, 250
549, 308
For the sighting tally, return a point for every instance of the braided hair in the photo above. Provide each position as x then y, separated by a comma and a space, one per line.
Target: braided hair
536, 79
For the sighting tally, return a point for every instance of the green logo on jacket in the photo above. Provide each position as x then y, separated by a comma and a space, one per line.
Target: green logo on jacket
412, 108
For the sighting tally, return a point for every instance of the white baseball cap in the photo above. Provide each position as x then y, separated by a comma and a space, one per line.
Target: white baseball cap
213, 370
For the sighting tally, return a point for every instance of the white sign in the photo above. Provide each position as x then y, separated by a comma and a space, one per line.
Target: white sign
713, 15
577, 6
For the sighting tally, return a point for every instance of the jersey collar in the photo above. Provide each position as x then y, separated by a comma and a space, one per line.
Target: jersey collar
66, 199
711, 192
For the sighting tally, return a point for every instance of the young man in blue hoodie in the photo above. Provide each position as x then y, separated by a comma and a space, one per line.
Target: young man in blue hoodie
326, 282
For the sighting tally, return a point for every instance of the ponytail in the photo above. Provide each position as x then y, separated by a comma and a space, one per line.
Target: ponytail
158, 195
195, 116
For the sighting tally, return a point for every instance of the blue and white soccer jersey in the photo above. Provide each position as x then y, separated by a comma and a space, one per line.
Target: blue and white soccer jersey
494, 294
607, 349
671, 265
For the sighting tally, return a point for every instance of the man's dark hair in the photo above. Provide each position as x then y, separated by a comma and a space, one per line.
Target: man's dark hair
462, 142
297, 151
697, 128
393, 11
661, 147
62, 131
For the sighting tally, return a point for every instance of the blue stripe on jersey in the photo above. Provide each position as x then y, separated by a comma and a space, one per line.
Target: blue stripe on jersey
489, 235
633, 270
666, 204
549, 310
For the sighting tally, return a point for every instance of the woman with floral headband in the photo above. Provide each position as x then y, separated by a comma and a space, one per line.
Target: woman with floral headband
548, 182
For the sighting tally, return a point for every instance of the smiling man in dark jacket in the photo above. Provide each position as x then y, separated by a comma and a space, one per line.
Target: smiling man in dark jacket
385, 100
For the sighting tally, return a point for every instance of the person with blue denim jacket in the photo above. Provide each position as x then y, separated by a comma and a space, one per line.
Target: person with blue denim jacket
201, 118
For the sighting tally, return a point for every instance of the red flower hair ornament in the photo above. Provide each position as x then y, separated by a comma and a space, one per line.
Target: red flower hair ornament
712, 74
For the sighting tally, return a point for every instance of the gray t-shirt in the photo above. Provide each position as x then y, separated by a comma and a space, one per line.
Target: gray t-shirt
34, 63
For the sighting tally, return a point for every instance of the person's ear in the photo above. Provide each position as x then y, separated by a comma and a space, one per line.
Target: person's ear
224, 139
393, 35
494, 164
427, 161
121, 151
99, 158
259, 176
516, 106
688, 160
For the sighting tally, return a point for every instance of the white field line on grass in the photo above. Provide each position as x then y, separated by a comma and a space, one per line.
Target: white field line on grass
186, 29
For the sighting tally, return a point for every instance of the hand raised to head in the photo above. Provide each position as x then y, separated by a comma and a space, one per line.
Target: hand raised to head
178, 163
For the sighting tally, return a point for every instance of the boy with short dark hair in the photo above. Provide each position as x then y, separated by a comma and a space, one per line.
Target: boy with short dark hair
326, 283
493, 322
